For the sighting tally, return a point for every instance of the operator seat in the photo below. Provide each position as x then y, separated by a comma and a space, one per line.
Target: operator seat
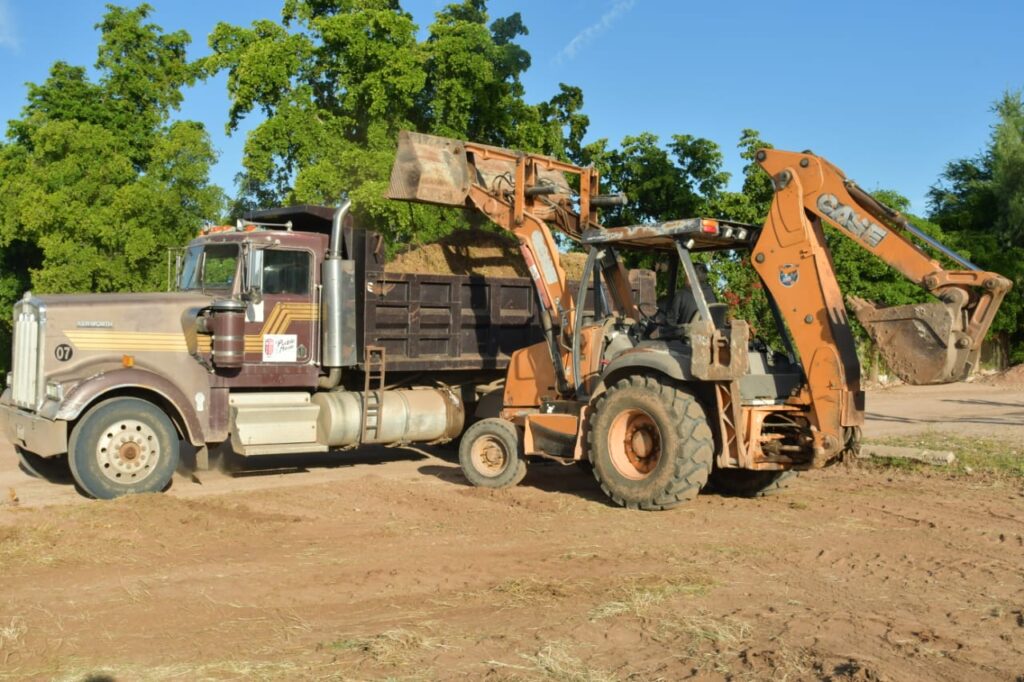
683, 307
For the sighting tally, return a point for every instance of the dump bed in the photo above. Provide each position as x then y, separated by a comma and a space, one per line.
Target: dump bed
429, 322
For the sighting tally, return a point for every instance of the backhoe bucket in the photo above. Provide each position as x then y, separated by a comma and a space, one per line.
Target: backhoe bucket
430, 170
922, 343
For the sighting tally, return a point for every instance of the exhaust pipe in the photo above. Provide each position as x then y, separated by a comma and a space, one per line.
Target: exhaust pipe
332, 300
334, 249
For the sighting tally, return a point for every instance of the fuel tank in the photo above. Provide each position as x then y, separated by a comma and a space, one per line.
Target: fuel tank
402, 416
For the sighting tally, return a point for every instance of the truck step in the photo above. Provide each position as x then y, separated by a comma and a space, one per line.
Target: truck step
257, 421
277, 449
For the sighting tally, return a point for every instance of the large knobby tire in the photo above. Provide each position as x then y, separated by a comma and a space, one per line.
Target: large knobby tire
744, 483
491, 454
123, 446
650, 443
52, 469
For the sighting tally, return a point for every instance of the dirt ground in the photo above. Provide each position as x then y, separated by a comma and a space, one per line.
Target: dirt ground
385, 565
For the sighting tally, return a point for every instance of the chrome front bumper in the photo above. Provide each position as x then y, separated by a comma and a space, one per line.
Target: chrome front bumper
42, 436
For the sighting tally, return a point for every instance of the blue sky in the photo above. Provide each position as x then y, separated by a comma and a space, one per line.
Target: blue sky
887, 90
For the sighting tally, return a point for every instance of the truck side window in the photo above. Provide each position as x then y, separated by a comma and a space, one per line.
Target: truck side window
286, 272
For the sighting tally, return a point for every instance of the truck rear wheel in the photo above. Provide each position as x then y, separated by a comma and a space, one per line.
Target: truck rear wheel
745, 483
123, 446
491, 454
650, 444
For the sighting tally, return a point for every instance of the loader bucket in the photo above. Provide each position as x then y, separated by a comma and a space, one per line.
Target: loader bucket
430, 170
922, 342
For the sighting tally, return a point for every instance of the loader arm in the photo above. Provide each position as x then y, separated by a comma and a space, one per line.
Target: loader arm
924, 343
521, 193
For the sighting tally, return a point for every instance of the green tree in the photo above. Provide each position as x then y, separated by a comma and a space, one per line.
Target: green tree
979, 203
96, 182
337, 80
1008, 167
678, 180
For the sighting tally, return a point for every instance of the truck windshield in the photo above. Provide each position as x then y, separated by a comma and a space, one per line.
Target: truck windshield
218, 271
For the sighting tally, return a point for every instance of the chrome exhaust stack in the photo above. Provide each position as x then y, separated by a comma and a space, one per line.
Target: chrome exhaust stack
337, 306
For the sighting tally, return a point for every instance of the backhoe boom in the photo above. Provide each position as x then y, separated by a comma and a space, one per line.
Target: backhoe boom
923, 343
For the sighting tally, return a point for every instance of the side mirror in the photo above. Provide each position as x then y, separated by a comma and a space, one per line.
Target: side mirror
252, 274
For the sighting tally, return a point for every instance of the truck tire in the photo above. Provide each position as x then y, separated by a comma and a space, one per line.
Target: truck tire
650, 444
52, 469
123, 446
491, 454
744, 483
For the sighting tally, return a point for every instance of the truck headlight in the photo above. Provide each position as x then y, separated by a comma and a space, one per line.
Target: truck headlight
10, 379
54, 391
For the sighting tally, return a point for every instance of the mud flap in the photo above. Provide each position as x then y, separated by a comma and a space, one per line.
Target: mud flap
922, 343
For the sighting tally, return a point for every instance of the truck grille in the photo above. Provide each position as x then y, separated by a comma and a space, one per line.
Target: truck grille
27, 365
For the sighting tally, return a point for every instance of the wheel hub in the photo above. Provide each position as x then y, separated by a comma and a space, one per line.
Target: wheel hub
488, 456
127, 451
634, 442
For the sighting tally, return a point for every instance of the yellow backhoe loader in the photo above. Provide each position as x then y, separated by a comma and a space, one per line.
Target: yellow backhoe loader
662, 403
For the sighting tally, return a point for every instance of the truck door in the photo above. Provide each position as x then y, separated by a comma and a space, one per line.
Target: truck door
280, 329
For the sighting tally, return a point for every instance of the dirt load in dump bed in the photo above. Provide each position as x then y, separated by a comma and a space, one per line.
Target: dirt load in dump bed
475, 252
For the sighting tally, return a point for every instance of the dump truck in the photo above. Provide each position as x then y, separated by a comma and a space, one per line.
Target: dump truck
285, 333
662, 403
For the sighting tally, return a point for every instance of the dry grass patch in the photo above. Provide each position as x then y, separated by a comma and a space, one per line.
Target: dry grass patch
529, 591
29, 545
11, 634
710, 643
393, 647
638, 596
259, 671
554, 662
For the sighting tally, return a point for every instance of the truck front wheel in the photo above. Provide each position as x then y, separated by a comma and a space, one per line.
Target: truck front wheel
123, 446
650, 444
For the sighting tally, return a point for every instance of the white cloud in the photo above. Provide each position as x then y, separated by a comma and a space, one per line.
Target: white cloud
588, 34
8, 35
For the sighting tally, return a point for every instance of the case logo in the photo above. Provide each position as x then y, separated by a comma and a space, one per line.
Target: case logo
789, 274
845, 217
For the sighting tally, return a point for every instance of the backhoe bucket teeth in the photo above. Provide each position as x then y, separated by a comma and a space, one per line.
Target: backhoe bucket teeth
921, 342
430, 170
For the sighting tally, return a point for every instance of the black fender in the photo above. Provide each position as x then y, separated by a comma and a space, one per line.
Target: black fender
137, 382
673, 363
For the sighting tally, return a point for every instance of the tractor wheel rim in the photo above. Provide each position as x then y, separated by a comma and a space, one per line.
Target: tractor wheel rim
489, 456
128, 451
634, 443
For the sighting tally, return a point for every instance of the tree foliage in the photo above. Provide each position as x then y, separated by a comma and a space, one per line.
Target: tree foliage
337, 80
979, 203
96, 183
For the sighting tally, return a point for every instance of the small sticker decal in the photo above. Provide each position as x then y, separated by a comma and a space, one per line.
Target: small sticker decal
280, 347
63, 352
789, 274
